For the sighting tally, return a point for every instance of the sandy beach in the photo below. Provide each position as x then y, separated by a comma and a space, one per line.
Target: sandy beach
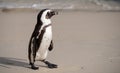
84, 42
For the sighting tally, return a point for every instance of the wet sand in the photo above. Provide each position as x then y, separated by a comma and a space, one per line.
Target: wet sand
84, 42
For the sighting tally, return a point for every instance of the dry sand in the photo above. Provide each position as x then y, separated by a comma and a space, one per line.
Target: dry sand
84, 42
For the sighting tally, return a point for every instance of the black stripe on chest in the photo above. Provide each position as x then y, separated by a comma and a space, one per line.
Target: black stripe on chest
40, 37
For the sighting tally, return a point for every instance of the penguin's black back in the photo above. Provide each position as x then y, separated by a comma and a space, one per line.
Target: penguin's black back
39, 16
39, 23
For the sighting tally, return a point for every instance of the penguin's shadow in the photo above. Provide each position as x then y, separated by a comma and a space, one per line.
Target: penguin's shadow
6, 61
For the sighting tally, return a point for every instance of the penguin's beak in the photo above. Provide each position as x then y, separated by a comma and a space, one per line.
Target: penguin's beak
54, 12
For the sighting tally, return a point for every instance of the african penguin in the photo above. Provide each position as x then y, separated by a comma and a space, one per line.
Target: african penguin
41, 40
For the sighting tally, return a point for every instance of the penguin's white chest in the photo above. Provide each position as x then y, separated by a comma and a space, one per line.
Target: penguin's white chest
47, 38
45, 43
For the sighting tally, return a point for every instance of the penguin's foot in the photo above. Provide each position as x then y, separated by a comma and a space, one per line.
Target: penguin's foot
50, 65
33, 66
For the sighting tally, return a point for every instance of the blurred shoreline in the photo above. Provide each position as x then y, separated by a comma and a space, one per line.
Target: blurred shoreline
62, 5
59, 10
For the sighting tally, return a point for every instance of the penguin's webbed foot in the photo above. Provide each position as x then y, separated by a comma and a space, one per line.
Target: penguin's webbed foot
50, 65
34, 67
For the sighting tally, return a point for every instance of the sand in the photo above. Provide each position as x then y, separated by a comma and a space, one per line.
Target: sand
84, 42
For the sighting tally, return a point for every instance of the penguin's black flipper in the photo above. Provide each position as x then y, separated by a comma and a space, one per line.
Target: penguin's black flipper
51, 46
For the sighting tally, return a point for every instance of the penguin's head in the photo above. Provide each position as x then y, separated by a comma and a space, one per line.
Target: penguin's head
50, 13
46, 14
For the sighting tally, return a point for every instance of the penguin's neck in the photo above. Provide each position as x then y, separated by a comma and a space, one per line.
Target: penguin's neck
46, 22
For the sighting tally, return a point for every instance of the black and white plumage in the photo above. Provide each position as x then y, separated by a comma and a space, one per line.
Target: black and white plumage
41, 39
